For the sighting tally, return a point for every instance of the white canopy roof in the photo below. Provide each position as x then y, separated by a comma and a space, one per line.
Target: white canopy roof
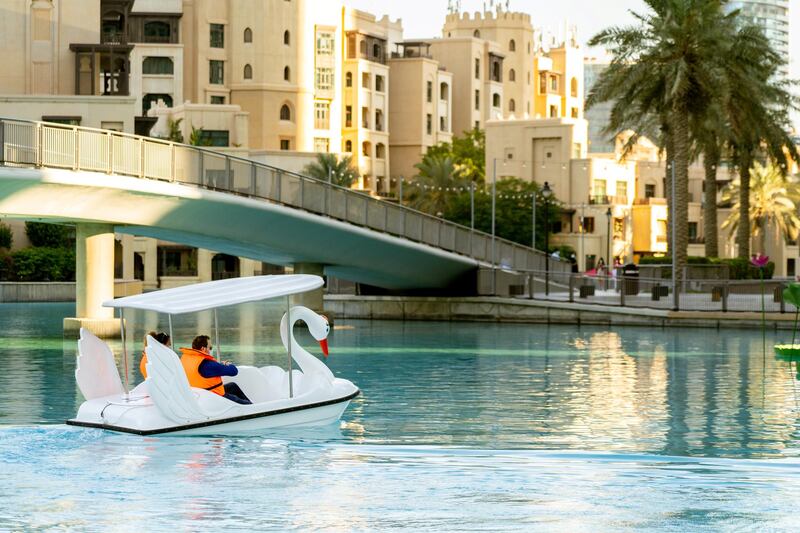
212, 294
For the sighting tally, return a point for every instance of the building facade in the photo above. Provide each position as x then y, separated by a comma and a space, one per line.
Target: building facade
773, 17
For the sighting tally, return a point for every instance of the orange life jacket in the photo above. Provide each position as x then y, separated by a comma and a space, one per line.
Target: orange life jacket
191, 359
142, 365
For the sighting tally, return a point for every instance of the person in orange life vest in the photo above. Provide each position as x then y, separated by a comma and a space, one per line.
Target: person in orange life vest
204, 372
163, 338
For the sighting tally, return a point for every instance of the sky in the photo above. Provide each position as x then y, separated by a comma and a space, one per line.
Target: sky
424, 18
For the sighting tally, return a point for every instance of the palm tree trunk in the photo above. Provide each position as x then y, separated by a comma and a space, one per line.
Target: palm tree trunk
680, 210
710, 162
743, 229
670, 156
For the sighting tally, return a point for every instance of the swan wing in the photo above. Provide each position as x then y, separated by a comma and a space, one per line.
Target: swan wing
168, 385
96, 371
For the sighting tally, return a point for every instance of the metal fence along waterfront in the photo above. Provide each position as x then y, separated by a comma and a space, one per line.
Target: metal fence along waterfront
721, 295
39, 144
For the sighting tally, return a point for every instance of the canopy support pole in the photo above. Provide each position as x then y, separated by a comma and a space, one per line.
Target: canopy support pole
216, 336
171, 336
124, 349
289, 342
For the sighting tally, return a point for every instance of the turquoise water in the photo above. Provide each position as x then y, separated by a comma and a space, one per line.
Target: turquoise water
477, 427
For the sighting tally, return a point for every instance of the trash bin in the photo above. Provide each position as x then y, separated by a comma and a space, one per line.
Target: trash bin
630, 279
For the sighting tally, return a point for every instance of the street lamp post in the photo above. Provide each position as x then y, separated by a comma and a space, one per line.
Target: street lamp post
546, 193
608, 242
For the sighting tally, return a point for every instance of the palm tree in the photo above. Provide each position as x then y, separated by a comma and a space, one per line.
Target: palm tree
666, 69
773, 203
436, 182
328, 166
756, 106
709, 144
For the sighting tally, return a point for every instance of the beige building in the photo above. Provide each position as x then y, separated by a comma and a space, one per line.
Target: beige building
421, 112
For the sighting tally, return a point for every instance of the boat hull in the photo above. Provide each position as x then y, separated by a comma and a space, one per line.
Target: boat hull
309, 415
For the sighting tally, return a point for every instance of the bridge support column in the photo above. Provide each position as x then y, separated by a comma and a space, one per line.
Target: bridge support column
313, 299
94, 281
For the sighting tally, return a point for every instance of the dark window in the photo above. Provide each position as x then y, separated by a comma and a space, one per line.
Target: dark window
285, 144
217, 37
286, 37
476, 34
348, 116
649, 190
477, 99
149, 99
512, 46
216, 72
248, 72
157, 31
496, 100
429, 123
380, 151
248, 35
512, 106
348, 146
379, 83
379, 120
588, 224
692, 231
790, 267
286, 73
512, 75
348, 79
286, 113
214, 138
429, 92
477, 68
157, 65
217, 100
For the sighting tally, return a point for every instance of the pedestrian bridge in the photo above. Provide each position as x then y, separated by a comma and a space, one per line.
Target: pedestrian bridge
204, 198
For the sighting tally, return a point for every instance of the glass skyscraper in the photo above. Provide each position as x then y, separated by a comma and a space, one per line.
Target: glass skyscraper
773, 16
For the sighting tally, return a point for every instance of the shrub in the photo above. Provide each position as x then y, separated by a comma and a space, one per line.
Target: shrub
6, 236
6, 267
46, 235
737, 268
43, 264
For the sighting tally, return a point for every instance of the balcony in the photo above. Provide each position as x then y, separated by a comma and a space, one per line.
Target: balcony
602, 199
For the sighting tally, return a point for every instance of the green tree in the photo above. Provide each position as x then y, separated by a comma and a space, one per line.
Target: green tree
196, 138
773, 203
44, 235
174, 134
436, 184
6, 236
513, 211
341, 171
468, 153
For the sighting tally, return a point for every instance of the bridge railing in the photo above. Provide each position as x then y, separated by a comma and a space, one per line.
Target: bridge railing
41, 144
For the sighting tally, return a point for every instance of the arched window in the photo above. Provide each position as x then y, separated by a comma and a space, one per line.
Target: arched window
286, 37
573, 87
348, 146
443, 92
512, 106
495, 100
380, 151
366, 149
149, 99
286, 73
512, 75
476, 34
348, 79
157, 32
376, 50
248, 35
157, 65
286, 113
512, 46
248, 72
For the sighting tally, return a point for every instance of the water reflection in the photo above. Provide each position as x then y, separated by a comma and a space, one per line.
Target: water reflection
671, 392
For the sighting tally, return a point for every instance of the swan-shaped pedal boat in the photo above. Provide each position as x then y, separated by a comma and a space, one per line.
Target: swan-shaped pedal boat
165, 403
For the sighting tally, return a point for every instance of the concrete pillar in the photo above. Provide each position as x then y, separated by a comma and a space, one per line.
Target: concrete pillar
127, 256
94, 277
247, 267
313, 300
204, 258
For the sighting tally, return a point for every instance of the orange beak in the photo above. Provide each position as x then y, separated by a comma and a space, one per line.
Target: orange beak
324, 345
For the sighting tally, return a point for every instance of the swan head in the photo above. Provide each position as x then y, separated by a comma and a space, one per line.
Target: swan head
319, 328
